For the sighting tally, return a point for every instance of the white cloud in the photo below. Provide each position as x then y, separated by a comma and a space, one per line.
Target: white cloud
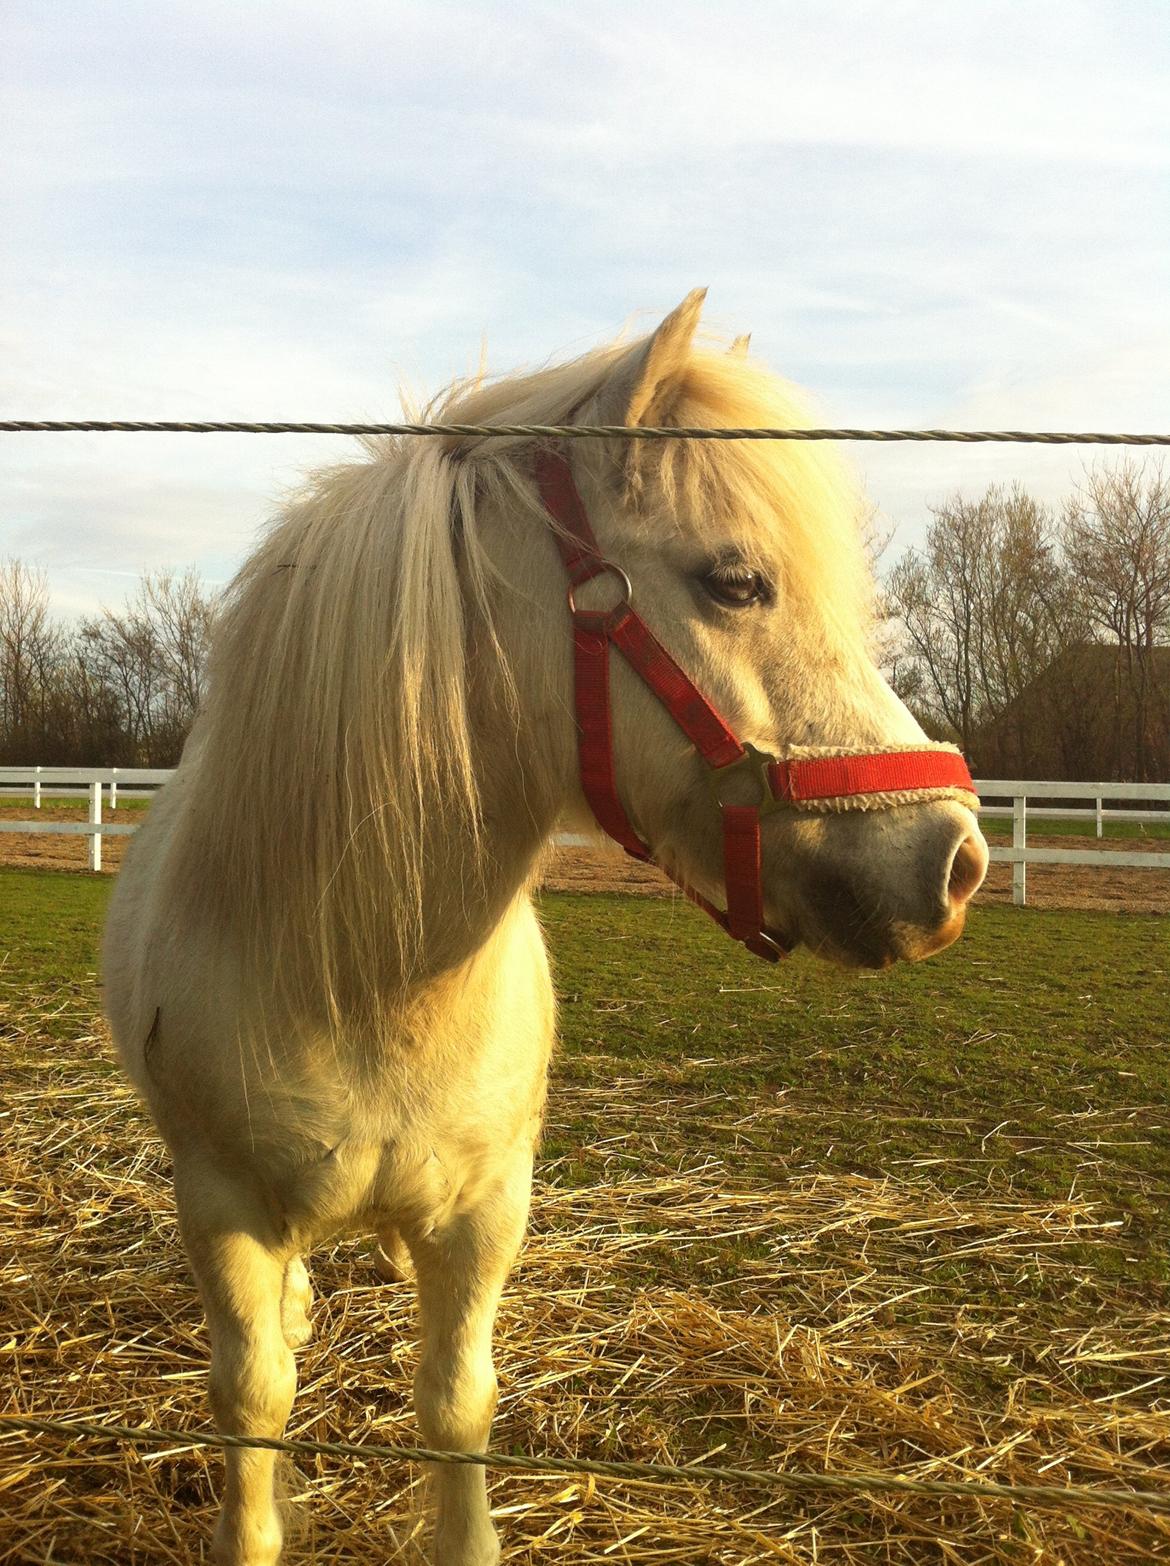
927, 213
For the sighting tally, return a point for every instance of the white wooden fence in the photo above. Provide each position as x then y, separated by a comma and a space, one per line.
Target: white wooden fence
1020, 856
70, 782
105, 782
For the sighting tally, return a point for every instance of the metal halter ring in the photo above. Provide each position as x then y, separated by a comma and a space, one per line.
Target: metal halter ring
602, 619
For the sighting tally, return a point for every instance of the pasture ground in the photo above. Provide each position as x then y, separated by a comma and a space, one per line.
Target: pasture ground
915, 1222
607, 869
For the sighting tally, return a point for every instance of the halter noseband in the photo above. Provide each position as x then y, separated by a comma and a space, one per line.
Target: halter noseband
832, 779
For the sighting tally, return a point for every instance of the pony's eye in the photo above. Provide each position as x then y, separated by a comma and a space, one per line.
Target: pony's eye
736, 587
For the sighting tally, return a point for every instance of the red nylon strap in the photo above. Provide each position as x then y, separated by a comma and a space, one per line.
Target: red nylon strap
583, 560
593, 630
741, 871
595, 748
687, 705
761, 943
837, 777
580, 551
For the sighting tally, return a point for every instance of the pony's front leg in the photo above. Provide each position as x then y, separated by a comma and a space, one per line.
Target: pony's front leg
245, 1290
461, 1270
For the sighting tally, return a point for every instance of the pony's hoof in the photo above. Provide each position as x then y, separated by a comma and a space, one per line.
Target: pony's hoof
481, 1551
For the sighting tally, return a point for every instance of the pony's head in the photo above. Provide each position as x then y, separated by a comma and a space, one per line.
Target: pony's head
745, 561
392, 683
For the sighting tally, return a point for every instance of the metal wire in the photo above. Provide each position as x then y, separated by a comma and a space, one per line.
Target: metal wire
570, 431
659, 1473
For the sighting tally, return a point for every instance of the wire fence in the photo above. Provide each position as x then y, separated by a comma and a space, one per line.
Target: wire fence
569, 431
794, 1480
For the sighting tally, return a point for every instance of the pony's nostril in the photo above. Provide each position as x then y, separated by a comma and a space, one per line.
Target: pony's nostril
968, 868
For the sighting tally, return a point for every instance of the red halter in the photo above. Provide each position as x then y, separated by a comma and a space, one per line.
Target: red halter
835, 778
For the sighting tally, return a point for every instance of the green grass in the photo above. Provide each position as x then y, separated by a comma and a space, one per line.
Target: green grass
991, 1058
1049, 826
1000, 1060
81, 801
49, 928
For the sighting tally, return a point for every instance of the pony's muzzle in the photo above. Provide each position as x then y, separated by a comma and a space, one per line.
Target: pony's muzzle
958, 876
964, 877
967, 870
884, 886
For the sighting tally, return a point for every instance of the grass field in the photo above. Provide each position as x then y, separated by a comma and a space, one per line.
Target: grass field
915, 1222
1084, 826
25, 801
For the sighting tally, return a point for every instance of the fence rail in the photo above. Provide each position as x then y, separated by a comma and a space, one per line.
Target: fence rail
1020, 855
102, 784
73, 780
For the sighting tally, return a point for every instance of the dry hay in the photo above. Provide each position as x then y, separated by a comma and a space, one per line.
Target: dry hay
845, 1337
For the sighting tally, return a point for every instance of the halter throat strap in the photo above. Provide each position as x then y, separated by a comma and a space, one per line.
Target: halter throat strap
834, 780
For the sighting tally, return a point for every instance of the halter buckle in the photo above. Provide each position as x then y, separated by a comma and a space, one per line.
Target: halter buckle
754, 762
767, 946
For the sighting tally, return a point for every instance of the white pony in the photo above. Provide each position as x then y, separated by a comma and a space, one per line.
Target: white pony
322, 965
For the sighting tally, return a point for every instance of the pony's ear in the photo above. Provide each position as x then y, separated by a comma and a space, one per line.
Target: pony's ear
741, 345
645, 381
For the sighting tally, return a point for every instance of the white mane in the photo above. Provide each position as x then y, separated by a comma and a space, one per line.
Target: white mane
338, 701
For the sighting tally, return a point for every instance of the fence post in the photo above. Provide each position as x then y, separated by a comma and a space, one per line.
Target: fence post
37, 790
1099, 821
95, 819
1019, 840
113, 788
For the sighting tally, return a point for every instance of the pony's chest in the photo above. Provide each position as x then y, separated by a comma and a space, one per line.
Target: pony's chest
363, 1183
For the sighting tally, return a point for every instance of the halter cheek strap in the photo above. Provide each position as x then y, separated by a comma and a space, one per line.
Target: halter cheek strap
816, 780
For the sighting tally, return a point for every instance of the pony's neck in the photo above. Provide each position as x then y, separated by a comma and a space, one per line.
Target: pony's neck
519, 679
524, 752
388, 700
474, 878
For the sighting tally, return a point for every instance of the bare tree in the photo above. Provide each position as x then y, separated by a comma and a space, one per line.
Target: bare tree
182, 611
984, 608
931, 591
30, 650
1116, 533
121, 649
151, 654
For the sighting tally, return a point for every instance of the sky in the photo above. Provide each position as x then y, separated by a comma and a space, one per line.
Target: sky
938, 212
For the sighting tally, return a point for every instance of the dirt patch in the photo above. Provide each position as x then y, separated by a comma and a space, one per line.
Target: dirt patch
1105, 887
1049, 886
53, 851
609, 870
